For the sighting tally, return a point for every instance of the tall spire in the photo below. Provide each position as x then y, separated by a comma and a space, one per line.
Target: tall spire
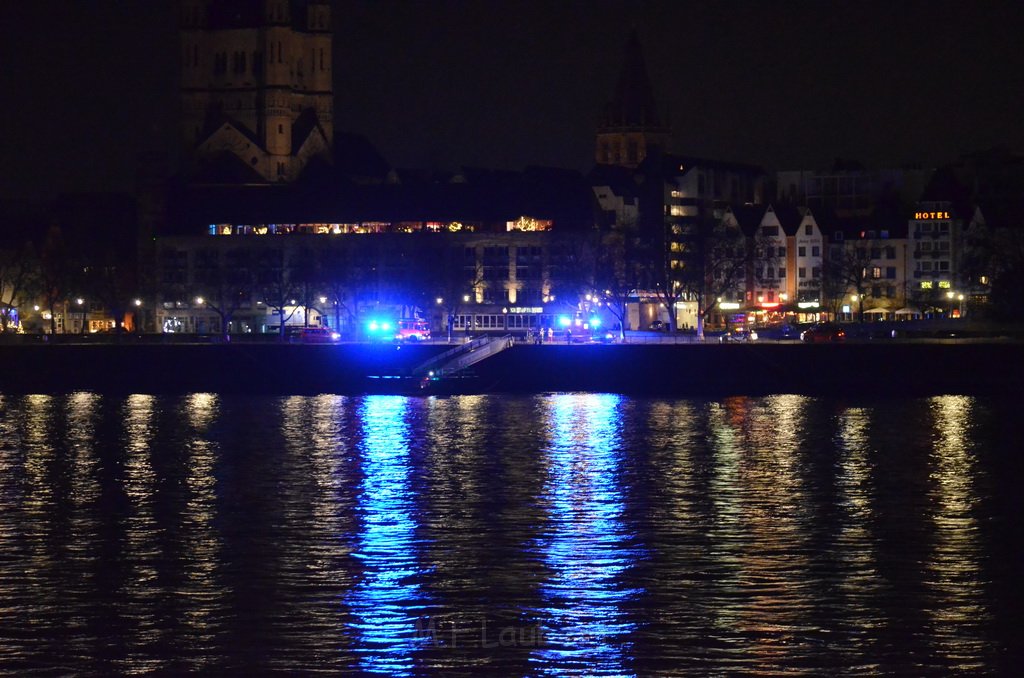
631, 122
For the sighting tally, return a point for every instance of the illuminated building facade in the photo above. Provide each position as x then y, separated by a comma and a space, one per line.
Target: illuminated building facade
496, 251
785, 264
484, 281
867, 266
939, 231
257, 96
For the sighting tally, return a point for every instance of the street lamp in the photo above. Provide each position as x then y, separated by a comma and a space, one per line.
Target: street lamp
81, 309
854, 298
960, 298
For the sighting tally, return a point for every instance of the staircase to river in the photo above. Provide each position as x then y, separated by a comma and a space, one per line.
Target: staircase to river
461, 357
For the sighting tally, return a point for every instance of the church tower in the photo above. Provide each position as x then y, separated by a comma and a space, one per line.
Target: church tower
631, 124
257, 96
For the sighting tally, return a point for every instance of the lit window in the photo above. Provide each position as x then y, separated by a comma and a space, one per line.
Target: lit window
528, 224
926, 284
944, 284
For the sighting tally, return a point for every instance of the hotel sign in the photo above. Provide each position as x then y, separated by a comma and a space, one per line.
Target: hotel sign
928, 216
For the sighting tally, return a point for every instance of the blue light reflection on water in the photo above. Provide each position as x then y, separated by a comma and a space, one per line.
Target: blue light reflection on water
387, 600
588, 548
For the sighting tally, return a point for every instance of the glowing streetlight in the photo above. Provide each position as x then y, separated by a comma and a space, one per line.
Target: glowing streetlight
440, 301
199, 301
138, 302
323, 300
79, 301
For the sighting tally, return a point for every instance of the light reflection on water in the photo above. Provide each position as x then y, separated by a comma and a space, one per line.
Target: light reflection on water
586, 534
588, 549
953, 569
387, 601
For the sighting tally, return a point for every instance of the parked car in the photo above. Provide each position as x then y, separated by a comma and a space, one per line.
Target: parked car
316, 335
659, 325
781, 332
738, 334
823, 333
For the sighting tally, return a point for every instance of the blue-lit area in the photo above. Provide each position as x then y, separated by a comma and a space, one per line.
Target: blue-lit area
386, 602
588, 547
380, 328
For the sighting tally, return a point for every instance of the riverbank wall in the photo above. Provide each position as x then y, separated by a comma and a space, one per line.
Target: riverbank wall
867, 369
686, 370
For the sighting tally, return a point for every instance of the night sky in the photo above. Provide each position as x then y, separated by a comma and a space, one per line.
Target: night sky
88, 84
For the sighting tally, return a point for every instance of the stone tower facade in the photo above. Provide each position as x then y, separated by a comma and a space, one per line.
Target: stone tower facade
257, 94
631, 125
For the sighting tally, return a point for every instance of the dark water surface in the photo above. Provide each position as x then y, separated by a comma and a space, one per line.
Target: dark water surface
553, 534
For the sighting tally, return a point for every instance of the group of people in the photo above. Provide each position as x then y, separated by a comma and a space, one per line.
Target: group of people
544, 334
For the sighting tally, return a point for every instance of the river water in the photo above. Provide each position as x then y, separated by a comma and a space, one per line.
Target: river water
588, 534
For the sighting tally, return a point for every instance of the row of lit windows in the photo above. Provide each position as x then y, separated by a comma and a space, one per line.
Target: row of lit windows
341, 229
522, 224
502, 321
